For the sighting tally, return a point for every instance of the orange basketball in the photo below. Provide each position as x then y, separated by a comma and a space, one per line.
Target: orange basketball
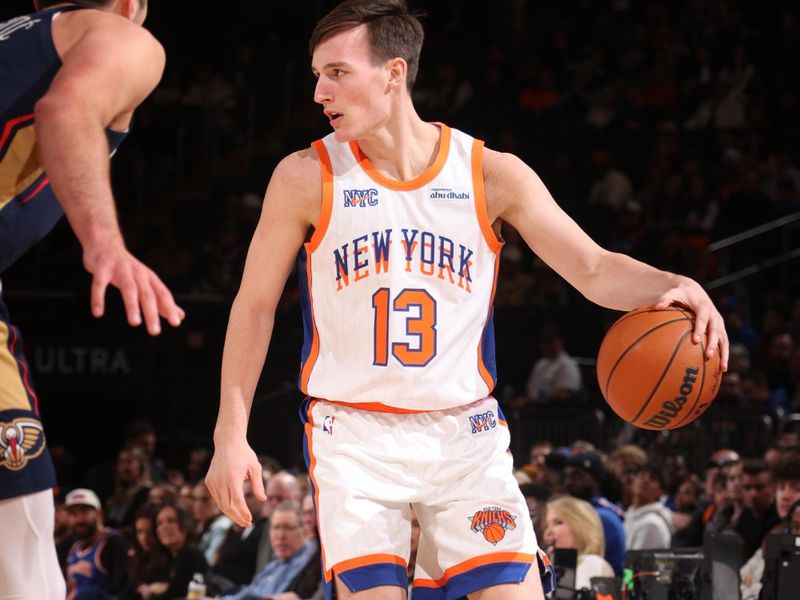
494, 532
652, 374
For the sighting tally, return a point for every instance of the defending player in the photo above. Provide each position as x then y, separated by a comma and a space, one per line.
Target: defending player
70, 77
398, 221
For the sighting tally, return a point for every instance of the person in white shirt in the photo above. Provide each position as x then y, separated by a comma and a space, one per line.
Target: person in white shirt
648, 523
555, 376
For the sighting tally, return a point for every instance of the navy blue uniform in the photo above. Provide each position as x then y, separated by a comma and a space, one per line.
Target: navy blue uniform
28, 211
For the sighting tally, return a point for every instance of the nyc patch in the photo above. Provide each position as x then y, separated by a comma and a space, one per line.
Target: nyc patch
483, 421
361, 198
327, 424
492, 522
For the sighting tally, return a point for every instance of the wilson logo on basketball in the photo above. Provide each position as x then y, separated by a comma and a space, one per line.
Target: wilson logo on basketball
493, 522
672, 408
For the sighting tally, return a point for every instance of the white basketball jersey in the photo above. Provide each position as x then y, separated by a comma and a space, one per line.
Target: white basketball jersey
397, 282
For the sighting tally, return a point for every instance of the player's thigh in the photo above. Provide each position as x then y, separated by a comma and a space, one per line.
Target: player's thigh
31, 570
383, 592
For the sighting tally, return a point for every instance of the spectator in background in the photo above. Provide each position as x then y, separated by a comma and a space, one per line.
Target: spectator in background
281, 487
787, 502
141, 434
536, 496
759, 515
731, 507
177, 560
197, 464
573, 523
212, 525
98, 560
162, 493
295, 566
131, 488
556, 376
142, 557
584, 475
626, 462
648, 523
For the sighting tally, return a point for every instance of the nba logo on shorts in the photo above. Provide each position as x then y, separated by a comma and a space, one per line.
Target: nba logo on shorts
493, 522
327, 424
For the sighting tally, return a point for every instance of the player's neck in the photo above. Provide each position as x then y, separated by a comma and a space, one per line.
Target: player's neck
404, 147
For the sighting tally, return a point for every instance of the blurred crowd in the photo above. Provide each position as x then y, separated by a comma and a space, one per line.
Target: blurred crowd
661, 128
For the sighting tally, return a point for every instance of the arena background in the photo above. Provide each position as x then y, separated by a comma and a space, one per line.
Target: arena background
694, 102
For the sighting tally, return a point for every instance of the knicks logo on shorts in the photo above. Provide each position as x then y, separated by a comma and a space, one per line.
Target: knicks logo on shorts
21, 440
493, 522
482, 422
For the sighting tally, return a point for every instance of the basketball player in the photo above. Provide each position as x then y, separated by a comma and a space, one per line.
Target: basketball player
397, 221
70, 77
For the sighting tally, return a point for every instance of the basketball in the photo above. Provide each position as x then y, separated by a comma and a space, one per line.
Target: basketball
652, 374
494, 532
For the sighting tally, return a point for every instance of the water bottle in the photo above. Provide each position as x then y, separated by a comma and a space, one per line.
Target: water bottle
197, 587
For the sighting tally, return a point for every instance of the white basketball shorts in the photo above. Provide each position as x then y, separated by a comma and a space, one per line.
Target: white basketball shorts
369, 470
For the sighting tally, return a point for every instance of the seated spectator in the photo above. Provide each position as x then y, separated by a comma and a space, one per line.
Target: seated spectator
177, 560
281, 487
648, 523
536, 496
584, 475
131, 488
212, 525
626, 462
556, 376
141, 434
787, 505
728, 512
98, 560
295, 566
161, 494
142, 556
759, 515
573, 523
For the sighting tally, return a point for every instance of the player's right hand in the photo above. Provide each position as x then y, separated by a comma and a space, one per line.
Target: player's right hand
142, 290
233, 462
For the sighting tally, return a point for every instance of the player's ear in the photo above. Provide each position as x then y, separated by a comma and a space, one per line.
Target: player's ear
398, 69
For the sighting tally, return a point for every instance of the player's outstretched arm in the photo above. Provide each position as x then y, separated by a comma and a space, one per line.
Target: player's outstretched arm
291, 206
105, 75
517, 195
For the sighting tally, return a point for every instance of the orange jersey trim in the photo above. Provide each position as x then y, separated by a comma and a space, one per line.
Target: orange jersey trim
369, 559
480, 198
313, 354
327, 195
412, 184
378, 407
474, 563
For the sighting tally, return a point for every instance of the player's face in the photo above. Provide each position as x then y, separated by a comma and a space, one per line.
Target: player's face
352, 89
557, 533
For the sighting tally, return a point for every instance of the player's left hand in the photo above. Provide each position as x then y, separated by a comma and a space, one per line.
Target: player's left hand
143, 293
707, 318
